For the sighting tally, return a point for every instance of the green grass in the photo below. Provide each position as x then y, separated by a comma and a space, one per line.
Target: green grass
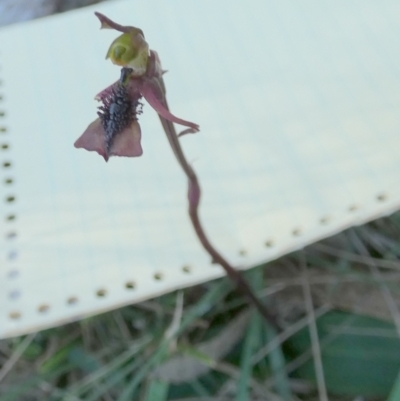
222, 349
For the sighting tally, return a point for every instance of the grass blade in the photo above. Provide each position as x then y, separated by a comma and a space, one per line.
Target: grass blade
211, 298
277, 363
251, 342
157, 391
395, 393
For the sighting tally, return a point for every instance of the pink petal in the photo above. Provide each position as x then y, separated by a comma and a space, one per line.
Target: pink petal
154, 68
106, 92
107, 23
127, 142
93, 139
151, 93
133, 89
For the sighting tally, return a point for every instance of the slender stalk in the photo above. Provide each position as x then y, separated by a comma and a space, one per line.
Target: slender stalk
147, 81
194, 194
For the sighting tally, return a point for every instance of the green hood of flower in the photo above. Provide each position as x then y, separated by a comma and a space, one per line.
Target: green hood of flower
130, 50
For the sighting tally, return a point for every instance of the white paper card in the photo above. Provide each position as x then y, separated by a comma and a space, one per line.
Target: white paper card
298, 104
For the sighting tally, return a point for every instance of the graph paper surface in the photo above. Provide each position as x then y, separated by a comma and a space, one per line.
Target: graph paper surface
298, 105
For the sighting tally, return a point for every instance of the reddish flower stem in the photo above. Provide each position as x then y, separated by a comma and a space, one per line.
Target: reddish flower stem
194, 194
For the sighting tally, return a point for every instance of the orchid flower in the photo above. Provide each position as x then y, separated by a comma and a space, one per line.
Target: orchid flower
116, 131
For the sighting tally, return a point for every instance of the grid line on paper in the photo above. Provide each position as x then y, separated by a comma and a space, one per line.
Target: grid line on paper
288, 149
378, 49
323, 106
369, 172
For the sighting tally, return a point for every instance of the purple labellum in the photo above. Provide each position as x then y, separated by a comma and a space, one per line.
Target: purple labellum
117, 113
116, 131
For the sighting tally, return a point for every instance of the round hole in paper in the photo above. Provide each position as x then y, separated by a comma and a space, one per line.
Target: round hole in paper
72, 300
10, 199
130, 285
353, 208
11, 235
11, 217
5, 146
8, 181
296, 232
102, 292
6, 164
14, 294
15, 315
186, 269
2, 113
12, 255
158, 276
3, 129
243, 252
13, 273
269, 243
43, 308
324, 220
381, 197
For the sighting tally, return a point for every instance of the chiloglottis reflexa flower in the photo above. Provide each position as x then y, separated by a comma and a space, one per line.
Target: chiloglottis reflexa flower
116, 131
